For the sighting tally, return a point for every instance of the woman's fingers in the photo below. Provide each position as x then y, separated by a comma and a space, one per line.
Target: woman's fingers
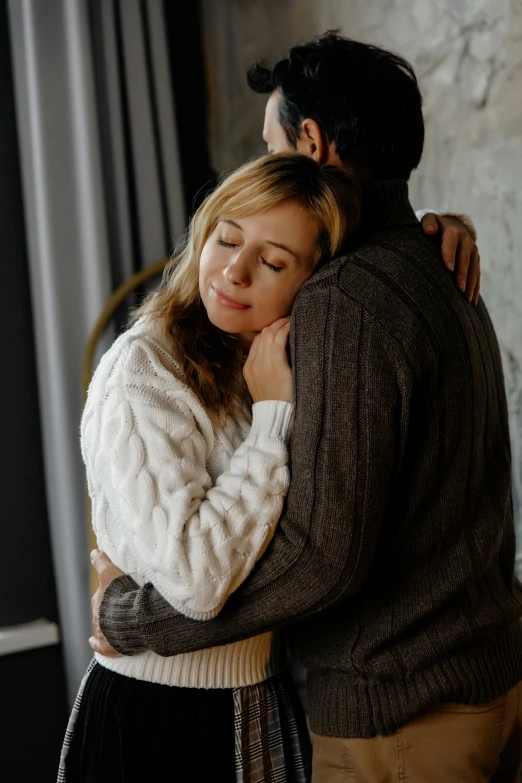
105, 568
281, 337
267, 370
268, 339
94, 644
100, 561
102, 646
273, 346
277, 325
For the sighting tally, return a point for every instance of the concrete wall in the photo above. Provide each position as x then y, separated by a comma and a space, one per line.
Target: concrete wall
468, 57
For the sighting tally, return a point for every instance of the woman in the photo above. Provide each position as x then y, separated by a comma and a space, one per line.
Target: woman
187, 471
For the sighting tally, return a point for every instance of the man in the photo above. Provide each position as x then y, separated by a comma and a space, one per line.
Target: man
393, 565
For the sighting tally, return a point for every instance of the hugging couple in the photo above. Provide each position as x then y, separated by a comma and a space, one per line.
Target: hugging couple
300, 449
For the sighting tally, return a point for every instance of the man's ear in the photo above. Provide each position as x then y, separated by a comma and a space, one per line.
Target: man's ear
312, 141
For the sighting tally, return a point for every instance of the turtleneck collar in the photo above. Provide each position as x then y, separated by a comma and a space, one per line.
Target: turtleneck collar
386, 204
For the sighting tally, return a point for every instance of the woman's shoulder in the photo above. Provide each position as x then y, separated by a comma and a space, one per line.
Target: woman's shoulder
146, 351
139, 357
140, 368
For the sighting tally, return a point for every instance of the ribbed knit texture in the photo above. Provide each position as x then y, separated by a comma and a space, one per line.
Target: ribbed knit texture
180, 501
231, 666
394, 560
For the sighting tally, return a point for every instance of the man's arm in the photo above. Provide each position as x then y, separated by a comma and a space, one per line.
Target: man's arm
349, 433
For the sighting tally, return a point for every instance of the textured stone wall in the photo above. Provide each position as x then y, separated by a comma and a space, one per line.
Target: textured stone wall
468, 57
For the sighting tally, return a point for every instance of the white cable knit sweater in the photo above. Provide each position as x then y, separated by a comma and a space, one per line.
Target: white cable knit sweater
180, 502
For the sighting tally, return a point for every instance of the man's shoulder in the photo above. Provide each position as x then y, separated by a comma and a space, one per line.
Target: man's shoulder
396, 261
394, 254
389, 276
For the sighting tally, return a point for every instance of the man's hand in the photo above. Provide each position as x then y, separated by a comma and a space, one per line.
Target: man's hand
107, 571
459, 251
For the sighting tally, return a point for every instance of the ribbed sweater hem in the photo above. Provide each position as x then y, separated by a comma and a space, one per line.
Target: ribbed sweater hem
231, 666
346, 705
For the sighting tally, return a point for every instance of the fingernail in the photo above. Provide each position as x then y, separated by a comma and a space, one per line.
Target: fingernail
462, 287
431, 227
451, 266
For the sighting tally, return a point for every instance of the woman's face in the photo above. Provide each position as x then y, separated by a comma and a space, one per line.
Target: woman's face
252, 268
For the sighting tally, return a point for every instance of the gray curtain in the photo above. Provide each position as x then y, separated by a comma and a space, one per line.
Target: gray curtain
102, 198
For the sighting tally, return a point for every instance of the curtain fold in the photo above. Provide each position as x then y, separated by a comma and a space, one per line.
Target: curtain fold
103, 198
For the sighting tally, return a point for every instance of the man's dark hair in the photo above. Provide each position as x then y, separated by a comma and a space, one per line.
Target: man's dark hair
365, 99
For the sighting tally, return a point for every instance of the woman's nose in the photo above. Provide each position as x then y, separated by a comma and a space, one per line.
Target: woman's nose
237, 272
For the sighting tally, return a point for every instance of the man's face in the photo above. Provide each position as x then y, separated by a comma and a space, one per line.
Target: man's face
311, 141
273, 132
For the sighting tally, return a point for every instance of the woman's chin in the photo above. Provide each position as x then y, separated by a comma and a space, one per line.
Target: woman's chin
226, 323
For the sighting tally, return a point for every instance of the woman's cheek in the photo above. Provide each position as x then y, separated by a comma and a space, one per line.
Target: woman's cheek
286, 304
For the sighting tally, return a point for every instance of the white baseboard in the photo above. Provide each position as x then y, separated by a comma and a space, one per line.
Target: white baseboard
28, 636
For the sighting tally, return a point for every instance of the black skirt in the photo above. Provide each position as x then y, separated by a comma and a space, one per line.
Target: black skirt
124, 730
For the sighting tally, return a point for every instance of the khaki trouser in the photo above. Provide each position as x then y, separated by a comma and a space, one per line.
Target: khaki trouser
448, 743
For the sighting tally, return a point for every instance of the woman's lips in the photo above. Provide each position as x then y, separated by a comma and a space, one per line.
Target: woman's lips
227, 301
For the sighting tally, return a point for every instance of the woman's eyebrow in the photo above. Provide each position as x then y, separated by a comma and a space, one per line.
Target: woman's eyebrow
283, 247
268, 241
231, 223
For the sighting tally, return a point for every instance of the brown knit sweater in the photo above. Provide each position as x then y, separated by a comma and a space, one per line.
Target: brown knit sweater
392, 568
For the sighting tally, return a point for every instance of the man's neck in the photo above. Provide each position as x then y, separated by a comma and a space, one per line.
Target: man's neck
386, 204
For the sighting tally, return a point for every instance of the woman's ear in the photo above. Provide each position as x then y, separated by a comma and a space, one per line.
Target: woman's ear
312, 141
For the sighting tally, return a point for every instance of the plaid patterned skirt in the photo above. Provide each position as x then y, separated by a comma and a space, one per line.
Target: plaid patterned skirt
255, 734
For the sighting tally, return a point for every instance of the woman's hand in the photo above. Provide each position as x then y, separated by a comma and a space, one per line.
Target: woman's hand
459, 251
107, 571
267, 371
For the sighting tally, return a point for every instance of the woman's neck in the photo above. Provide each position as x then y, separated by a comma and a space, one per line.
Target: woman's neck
245, 339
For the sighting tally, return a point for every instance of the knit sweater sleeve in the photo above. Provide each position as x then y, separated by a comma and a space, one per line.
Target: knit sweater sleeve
145, 442
352, 389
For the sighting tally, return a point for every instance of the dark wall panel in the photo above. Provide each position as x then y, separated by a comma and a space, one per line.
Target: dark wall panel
26, 576
33, 716
190, 97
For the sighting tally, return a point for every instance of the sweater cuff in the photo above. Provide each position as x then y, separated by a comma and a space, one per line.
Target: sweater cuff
273, 417
117, 616
464, 219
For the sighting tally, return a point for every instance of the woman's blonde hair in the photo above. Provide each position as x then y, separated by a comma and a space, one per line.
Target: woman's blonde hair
210, 359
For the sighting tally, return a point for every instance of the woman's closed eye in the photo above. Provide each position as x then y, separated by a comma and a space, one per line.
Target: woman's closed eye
271, 266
